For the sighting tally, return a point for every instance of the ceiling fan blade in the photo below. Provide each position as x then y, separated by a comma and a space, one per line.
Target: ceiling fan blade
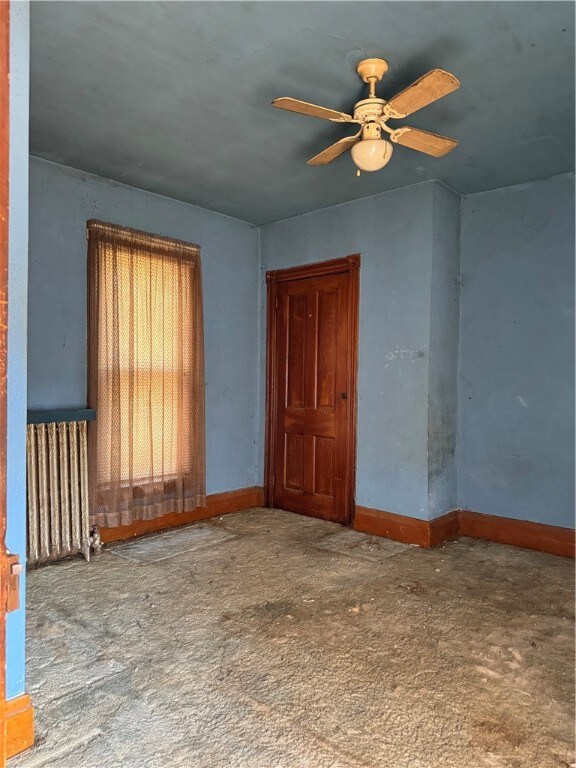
430, 87
334, 151
423, 141
295, 105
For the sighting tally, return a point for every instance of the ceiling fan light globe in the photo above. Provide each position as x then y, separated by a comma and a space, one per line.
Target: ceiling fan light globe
372, 154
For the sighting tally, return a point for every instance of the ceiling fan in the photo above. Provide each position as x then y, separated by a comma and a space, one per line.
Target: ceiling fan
370, 152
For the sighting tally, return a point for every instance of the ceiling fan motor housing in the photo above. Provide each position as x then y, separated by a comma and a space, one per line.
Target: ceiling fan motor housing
369, 109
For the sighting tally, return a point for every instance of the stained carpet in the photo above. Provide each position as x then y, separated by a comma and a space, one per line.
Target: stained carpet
271, 640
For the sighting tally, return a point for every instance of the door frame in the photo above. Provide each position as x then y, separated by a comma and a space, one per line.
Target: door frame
4, 223
351, 265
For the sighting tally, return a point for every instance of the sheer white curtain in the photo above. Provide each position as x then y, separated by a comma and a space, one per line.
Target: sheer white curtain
146, 379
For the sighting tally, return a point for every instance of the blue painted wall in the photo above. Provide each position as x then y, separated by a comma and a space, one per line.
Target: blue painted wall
443, 369
501, 451
393, 232
61, 201
17, 320
466, 381
516, 433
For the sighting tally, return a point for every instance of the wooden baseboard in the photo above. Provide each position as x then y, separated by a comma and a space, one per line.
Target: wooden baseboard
519, 533
19, 725
216, 504
444, 528
409, 530
464, 522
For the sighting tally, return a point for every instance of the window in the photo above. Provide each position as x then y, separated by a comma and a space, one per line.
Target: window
146, 375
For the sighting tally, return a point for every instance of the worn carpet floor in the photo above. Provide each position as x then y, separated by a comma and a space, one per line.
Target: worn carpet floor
270, 640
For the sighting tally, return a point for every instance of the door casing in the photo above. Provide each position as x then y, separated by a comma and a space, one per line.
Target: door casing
4, 218
351, 265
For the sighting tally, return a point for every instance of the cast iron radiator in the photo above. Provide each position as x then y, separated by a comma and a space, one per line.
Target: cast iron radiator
57, 484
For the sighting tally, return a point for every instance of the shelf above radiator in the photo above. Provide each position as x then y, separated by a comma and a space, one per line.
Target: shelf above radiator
69, 414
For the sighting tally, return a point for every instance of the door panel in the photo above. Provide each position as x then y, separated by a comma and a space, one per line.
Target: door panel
326, 348
294, 462
324, 466
296, 344
311, 419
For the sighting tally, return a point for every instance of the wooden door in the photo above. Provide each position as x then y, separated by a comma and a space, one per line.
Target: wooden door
311, 429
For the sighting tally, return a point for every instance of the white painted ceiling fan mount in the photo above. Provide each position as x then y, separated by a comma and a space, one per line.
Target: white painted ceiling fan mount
370, 152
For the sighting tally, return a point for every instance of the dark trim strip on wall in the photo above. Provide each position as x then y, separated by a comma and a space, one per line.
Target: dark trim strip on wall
463, 522
69, 414
216, 504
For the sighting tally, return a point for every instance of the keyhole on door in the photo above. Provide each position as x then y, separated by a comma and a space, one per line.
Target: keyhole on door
344, 395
